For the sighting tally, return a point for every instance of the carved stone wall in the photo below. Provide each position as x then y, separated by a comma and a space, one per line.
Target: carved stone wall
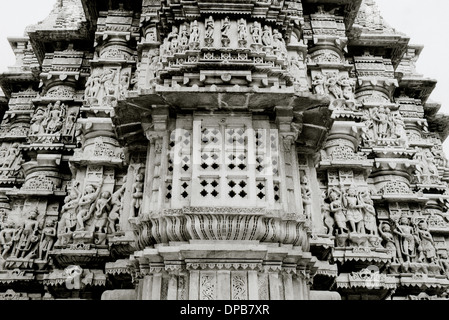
172, 150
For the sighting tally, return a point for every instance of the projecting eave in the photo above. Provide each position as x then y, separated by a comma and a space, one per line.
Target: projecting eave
439, 124
92, 9
350, 8
417, 87
389, 45
431, 108
15, 81
44, 41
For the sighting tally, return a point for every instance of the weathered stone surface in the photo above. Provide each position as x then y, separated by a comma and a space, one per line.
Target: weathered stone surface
220, 150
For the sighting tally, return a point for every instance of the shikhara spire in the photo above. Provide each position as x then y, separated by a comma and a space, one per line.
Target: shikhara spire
217, 150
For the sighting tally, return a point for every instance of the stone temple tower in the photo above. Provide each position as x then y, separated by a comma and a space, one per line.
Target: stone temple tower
220, 150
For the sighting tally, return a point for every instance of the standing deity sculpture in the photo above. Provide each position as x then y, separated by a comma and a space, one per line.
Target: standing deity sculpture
318, 84
86, 205
101, 212
297, 73
137, 194
172, 40
56, 116
183, 38
353, 210
47, 239
209, 33
68, 221
37, 126
398, 128
242, 32
226, 25
256, 33
69, 127
347, 87
7, 238
407, 239
26, 236
194, 35
124, 84
388, 240
428, 253
279, 44
336, 209
11, 155
92, 86
153, 67
369, 215
116, 207
267, 38
333, 87
306, 194
381, 120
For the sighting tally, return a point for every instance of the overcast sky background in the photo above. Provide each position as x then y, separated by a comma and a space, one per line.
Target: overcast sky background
425, 22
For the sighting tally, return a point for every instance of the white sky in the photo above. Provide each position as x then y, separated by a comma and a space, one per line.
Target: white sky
425, 22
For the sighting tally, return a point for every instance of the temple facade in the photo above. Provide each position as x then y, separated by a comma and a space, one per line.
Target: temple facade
220, 150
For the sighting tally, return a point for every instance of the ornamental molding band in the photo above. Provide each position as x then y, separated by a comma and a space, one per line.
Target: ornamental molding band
220, 150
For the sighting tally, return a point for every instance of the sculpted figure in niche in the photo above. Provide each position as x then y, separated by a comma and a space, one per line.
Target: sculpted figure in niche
369, 215
70, 123
116, 207
318, 84
134, 82
353, 210
444, 262
26, 235
295, 69
153, 67
11, 156
209, 33
388, 240
242, 29
407, 238
124, 84
279, 43
333, 87
398, 127
266, 36
347, 87
428, 253
137, 194
56, 114
327, 218
256, 33
102, 209
336, 209
172, 39
107, 81
194, 33
183, 39
381, 119
68, 220
47, 239
226, 25
306, 196
36, 126
86, 205
7, 238
92, 86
